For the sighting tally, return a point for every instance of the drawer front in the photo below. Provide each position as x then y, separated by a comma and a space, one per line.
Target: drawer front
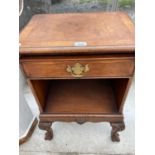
99, 67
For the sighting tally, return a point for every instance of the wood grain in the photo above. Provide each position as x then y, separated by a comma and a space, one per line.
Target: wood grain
55, 67
80, 96
40, 91
57, 33
48, 44
86, 117
120, 87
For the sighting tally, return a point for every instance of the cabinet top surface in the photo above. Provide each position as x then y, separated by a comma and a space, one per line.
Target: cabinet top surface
78, 33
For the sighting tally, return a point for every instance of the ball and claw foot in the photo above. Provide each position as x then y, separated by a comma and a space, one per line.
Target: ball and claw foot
46, 126
116, 127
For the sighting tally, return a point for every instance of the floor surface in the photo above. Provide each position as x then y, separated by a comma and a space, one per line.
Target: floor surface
86, 139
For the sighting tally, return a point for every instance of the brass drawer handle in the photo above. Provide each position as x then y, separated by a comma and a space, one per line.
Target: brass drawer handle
77, 70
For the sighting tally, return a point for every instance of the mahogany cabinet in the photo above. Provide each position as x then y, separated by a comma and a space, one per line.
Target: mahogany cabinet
79, 67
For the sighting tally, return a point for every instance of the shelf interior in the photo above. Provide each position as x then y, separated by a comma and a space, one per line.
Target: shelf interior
80, 96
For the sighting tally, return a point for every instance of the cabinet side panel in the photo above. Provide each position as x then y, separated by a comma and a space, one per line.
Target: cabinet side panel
121, 87
40, 91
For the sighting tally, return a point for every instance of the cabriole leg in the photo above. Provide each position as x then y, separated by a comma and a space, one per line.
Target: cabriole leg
47, 126
116, 127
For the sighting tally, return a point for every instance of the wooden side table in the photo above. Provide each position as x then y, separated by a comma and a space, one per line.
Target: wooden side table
79, 67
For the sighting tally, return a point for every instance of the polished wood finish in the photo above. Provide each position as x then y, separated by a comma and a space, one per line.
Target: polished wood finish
121, 88
113, 66
58, 33
40, 90
85, 117
79, 67
81, 96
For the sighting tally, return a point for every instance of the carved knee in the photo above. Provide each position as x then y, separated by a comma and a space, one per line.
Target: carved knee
116, 127
46, 126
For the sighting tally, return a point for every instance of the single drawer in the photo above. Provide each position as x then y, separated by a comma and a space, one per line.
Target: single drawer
78, 67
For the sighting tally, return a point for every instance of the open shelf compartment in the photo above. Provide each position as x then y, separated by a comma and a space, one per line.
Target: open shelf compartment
80, 96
